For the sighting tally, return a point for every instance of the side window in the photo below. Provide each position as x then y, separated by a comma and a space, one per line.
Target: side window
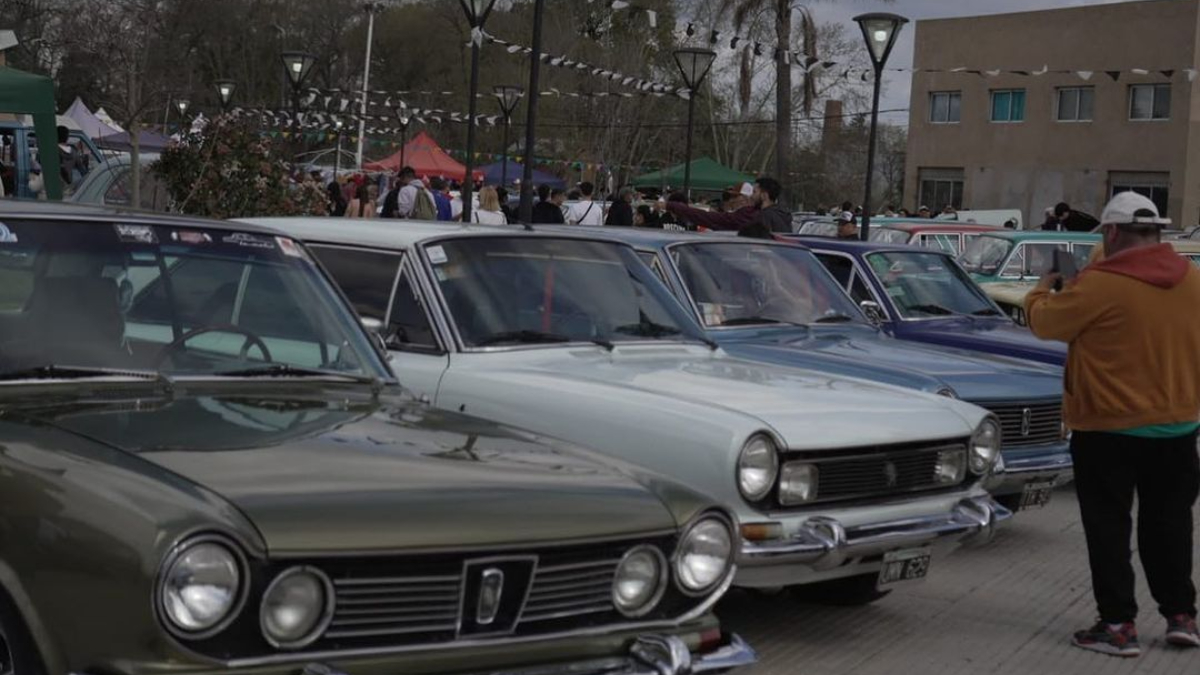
840, 267
366, 277
1040, 257
409, 326
1016, 263
859, 290
1081, 253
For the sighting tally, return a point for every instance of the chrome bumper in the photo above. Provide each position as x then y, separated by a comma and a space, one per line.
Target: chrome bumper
824, 543
1021, 468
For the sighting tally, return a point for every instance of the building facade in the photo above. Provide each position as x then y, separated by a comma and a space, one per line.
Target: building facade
997, 140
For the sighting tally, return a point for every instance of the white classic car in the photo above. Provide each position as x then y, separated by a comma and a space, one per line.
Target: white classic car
835, 481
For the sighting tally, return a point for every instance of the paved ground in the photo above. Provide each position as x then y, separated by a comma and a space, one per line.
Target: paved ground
1005, 608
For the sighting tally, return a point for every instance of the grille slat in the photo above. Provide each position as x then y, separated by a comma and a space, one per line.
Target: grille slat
382, 606
394, 619
879, 473
1045, 422
544, 594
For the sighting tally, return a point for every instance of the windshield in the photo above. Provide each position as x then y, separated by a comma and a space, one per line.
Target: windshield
984, 255
922, 285
505, 291
818, 228
180, 301
743, 284
889, 236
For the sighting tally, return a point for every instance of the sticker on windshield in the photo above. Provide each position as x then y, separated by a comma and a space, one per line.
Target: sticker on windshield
290, 247
7, 236
437, 255
191, 237
136, 234
248, 240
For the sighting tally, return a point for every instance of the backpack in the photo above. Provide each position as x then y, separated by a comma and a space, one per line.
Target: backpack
424, 208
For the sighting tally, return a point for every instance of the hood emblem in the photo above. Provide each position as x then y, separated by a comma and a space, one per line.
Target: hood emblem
491, 589
890, 474
1026, 421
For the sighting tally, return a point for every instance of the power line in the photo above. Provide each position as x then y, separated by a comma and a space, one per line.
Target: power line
732, 123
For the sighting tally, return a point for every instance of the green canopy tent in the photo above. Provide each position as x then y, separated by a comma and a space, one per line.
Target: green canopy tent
29, 94
707, 176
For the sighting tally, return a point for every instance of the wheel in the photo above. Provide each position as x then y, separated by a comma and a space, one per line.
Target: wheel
17, 653
848, 592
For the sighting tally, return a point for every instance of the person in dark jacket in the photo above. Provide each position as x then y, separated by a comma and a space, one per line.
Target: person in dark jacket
546, 212
509, 212
774, 217
621, 213
1074, 221
337, 201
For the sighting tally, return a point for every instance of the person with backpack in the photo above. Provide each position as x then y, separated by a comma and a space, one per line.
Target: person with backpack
413, 200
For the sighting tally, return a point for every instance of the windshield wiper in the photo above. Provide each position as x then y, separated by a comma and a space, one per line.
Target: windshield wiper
836, 317
751, 320
286, 370
537, 337
936, 310
53, 372
649, 329
987, 311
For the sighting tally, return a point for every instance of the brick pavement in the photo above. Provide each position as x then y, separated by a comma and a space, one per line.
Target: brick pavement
1009, 607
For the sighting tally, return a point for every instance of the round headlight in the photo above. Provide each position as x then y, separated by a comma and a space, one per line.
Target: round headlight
704, 556
296, 608
199, 588
640, 581
985, 446
758, 466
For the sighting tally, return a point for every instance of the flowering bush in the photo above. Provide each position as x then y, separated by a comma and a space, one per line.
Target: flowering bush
228, 169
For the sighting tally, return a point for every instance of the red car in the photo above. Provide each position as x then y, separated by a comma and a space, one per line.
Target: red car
943, 235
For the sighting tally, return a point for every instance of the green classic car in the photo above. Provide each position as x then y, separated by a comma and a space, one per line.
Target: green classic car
1007, 264
208, 467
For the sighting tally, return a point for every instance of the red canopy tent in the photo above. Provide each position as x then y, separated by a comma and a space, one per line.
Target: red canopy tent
425, 156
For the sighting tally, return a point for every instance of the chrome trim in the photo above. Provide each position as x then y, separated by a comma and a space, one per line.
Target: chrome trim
498, 548
660, 588
172, 557
462, 602
318, 628
776, 472
677, 559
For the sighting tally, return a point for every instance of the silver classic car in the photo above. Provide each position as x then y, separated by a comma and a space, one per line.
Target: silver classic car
835, 481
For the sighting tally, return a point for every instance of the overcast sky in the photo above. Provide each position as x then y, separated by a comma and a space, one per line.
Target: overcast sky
898, 85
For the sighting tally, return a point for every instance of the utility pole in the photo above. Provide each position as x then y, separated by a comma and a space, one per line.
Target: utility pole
372, 8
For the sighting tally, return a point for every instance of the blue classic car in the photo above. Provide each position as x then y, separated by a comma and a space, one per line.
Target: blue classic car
924, 296
775, 302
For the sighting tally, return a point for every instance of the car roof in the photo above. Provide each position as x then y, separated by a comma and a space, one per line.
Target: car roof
1043, 235
15, 209
858, 247
1185, 245
934, 225
646, 238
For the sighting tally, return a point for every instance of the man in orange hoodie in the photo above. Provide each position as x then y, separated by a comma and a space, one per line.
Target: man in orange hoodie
1132, 402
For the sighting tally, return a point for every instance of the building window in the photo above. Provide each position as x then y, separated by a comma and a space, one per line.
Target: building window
1008, 105
941, 187
1149, 101
1153, 186
1075, 104
945, 107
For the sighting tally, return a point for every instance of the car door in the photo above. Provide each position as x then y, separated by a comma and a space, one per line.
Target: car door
379, 285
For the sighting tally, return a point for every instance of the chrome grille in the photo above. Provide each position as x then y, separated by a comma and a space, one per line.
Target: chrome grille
570, 590
879, 472
1044, 425
395, 606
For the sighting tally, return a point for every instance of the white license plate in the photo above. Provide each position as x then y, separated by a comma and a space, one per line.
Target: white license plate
904, 565
1036, 495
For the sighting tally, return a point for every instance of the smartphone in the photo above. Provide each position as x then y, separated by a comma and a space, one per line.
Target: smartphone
1064, 264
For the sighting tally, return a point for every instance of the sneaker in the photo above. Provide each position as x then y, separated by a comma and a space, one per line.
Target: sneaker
1181, 631
1101, 638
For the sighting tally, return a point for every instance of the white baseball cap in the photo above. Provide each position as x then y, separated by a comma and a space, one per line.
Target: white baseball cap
846, 217
1130, 208
747, 190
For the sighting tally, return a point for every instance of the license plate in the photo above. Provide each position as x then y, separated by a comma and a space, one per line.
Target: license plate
1036, 495
904, 565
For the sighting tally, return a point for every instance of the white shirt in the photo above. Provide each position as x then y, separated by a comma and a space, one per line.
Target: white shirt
586, 212
488, 217
406, 201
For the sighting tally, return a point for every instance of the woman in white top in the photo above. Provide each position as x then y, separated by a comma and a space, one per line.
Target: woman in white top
489, 212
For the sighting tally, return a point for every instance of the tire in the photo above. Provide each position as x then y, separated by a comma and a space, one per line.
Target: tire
17, 653
848, 592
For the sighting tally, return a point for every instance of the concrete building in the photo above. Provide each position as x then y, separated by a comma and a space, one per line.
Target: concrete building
991, 141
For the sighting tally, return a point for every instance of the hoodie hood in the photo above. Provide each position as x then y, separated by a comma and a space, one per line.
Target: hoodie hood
1156, 265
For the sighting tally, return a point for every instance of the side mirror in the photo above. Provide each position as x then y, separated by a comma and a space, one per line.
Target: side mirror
375, 331
873, 311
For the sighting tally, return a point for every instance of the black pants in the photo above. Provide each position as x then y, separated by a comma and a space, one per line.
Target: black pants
1165, 473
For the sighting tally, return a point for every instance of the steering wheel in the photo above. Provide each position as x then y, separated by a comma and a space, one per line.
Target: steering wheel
179, 344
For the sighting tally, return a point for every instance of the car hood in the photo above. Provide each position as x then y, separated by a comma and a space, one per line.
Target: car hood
873, 355
315, 476
991, 335
803, 406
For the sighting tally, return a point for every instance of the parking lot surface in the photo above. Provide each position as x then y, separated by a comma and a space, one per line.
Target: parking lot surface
1009, 607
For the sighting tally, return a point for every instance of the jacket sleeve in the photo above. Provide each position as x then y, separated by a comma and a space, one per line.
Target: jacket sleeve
1063, 316
709, 219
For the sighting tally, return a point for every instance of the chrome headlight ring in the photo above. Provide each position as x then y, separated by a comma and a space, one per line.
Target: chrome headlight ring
986, 442
660, 581
167, 597
689, 561
757, 468
323, 614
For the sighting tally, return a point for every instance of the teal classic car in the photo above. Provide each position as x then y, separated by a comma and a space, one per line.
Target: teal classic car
1009, 263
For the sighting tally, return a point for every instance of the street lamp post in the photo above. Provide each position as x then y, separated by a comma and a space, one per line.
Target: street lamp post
225, 89
694, 65
337, 157
182, 105
477, 14
297, 65
531, 107
508, 96
880, 31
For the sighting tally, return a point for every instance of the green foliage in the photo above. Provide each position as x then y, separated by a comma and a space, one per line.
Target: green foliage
229, 170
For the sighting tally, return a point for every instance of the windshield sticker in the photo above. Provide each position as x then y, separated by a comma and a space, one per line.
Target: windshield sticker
248, 240
440, 274
7, 236
437, 255
136, 234
191, 237
290, 248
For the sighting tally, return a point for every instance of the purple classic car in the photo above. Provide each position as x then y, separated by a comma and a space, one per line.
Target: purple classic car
923, 295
